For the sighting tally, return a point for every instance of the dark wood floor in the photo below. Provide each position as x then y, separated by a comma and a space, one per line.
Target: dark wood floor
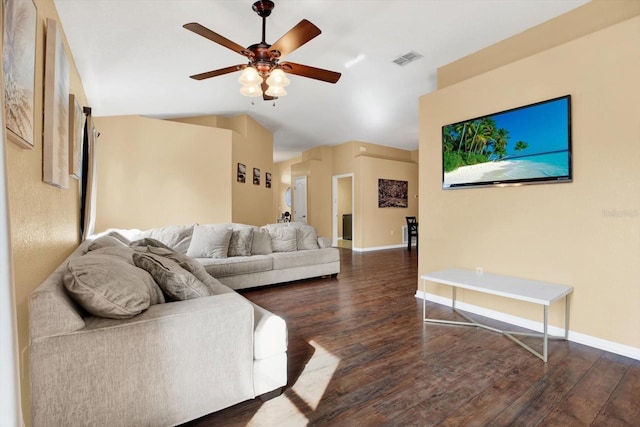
359, 355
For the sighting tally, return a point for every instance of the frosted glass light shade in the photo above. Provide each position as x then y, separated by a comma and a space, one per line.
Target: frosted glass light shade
276, 91
253, 90
278, 78
250, 77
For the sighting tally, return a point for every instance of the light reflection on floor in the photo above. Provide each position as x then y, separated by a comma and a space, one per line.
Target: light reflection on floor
305, 395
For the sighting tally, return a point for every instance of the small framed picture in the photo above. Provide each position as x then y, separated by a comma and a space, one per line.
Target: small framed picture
242, 172
256, 176
267, 179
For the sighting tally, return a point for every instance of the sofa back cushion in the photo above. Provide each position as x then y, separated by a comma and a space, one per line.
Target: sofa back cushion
306, 238
177, 237
283, 239
210, 241
107, 286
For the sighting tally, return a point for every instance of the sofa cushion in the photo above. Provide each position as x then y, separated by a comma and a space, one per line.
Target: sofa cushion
286, 260
124, 253
210, 241
193, 267
107, 286
261, 242
177, 282
240, 243
306, 238
283, 239
236, 265
177, 237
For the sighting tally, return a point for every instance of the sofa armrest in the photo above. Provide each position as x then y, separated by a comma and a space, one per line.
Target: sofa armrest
172, 363
324, 242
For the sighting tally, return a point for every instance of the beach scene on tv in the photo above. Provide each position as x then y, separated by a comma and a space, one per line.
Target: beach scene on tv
528, 143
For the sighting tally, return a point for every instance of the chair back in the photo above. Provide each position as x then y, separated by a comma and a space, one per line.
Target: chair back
412, 223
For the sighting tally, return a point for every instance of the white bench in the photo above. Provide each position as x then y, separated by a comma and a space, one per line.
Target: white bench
532, 291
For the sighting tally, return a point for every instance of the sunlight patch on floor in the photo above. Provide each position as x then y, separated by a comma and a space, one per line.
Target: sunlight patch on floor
304, 396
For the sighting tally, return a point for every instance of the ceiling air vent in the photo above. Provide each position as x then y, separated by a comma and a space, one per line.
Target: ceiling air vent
403, 60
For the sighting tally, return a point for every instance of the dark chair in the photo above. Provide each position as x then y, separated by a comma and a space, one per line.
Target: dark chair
412, 231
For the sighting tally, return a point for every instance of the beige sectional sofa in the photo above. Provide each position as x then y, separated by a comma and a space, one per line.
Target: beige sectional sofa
243, 256
131, 331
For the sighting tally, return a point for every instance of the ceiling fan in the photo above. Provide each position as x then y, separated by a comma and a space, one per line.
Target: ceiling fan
264, 74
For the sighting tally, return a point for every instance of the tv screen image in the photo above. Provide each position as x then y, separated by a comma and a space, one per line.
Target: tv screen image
525, 145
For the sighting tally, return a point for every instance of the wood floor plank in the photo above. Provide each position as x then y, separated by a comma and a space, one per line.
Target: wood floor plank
360, 355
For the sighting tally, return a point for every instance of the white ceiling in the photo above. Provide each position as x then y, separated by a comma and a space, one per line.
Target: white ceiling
134, 57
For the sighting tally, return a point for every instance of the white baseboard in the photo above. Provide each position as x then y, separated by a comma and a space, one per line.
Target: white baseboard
610, 346
379, 248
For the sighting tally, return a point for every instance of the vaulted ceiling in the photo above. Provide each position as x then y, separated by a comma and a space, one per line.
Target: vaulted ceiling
134, 57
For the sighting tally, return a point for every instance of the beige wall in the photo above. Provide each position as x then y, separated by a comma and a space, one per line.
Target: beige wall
44, 220
585, 234
253, 147
153, 173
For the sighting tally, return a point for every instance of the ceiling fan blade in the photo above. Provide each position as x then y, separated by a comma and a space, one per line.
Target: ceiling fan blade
311, 72
218, 72
215, 37
295, 37
266, 97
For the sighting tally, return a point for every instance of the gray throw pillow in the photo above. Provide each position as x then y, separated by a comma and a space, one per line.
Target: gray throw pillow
306, 238
261, 242
107, 286
210, 241
105, 242
192, 266
148, 241
283, 239
174, 280
240, 243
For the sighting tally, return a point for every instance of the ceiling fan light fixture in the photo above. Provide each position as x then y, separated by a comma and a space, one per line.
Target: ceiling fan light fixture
278, 78
251, 90
250, 77
276, 91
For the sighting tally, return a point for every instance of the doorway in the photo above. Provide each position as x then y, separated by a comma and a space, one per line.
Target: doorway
343, 219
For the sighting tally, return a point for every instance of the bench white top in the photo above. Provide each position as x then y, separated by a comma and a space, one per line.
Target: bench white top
510, 287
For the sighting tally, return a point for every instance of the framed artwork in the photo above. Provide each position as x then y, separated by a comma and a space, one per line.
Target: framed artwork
18, 64
267, 179
76, 134
55, 156
242, 172
393, 194
256, 176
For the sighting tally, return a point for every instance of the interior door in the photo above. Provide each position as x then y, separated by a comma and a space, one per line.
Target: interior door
300, 199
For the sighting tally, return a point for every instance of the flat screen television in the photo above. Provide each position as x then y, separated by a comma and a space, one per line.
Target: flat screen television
525, 145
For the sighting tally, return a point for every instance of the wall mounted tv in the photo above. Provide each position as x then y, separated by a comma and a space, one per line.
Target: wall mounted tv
524, 145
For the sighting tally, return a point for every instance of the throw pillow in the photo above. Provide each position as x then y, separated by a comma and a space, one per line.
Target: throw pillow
283, 239
148, 241
105, 242
107, 286
240, 243
192, 266
306, 238
261, 242
209, 242
177, 282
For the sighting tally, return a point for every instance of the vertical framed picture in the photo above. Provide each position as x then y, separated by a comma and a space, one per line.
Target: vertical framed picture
267, 179
18, 64
256, 176
55, 156
242, 173
76, 134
